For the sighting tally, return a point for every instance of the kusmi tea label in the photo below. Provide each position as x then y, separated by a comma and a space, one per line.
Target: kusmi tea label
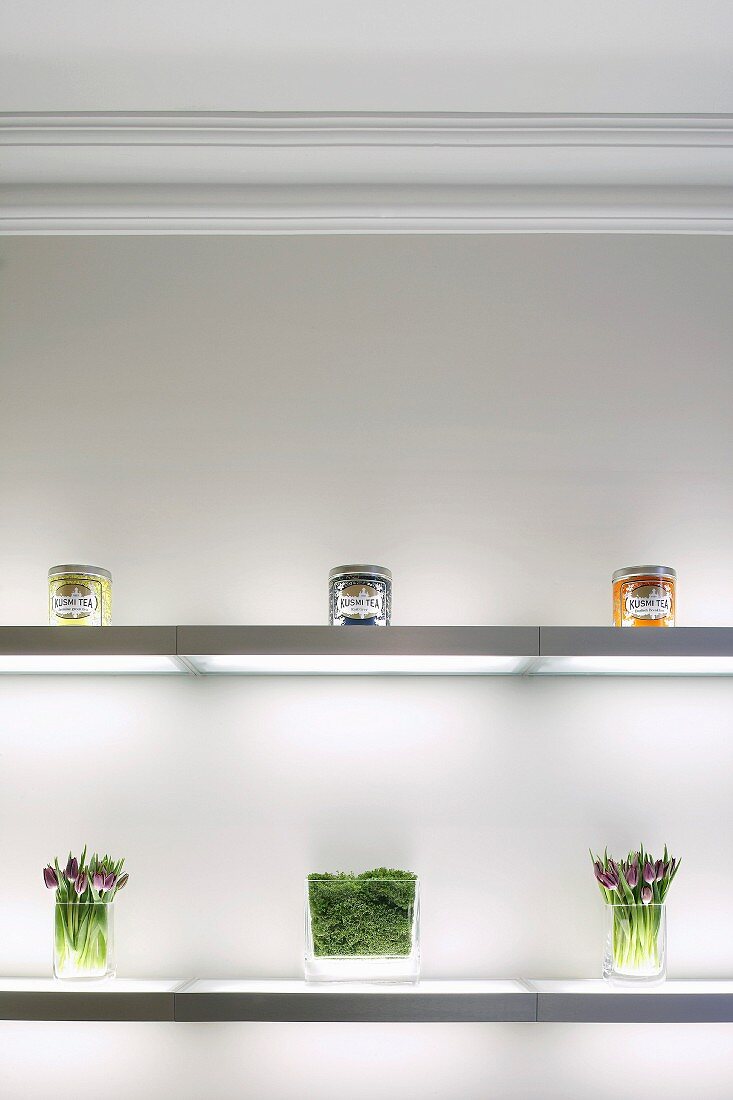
74, 601
359, 597
647, 601
359, 601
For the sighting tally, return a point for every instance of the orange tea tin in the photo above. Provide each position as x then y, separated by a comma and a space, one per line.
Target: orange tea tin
644, 595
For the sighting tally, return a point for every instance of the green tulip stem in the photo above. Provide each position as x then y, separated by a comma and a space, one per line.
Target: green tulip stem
635, 937
81, 938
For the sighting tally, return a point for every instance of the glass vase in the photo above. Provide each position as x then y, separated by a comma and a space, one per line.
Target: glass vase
83, 940
362, 930
636, 944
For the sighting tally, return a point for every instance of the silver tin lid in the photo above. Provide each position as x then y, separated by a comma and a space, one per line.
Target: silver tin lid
644, 571
91, 570
368, 570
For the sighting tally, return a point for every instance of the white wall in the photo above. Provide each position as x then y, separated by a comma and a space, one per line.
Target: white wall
503, 422
340, 55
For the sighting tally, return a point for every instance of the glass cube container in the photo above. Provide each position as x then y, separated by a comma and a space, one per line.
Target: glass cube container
83, 941
635, 944
362, 929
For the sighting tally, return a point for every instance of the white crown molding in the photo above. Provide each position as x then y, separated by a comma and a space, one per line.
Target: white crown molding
388, 173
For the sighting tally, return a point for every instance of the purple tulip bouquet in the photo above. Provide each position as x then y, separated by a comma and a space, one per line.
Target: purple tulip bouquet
634, 890
83, 930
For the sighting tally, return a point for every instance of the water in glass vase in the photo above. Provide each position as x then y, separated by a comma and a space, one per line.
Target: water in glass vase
635, 944
83, 943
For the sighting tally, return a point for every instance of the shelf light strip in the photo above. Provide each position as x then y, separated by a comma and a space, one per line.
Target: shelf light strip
93, 664
305, 664
633, 666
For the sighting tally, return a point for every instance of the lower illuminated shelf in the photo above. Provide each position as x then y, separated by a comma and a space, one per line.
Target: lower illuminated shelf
505, 1001
112, 999
378, 651
339, 651
610, 651
428, 1001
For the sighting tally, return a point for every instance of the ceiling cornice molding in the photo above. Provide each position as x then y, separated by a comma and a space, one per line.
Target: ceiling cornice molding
273, 128
386, 173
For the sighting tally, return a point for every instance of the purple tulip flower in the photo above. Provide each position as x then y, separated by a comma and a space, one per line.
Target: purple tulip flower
72, 869
109, 881
50, 877
659, 870
646, 894
123, 879
608, 878
80, 883
649, 873
632, 875
98, 880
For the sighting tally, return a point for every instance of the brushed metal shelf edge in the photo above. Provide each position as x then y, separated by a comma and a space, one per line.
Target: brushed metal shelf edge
184, 1006
522, 641
334, 1007
615, 1008
182, 642
611, 641
88, 1006
74, 641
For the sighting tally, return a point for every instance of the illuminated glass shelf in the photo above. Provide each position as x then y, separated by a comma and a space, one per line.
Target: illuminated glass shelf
367, 651
457, 651
292, 1001
108, 650
671, 1002
502, 1001
111, 999
509, 1001
611, 651
354, 651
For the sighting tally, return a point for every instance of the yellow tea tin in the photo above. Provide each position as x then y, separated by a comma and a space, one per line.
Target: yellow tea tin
79, 595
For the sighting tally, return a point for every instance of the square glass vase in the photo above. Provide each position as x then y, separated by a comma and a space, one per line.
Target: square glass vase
635, 944
362, 929
83, 940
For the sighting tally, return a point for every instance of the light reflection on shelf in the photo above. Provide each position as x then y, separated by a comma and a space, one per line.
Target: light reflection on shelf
98, 664
670, 987
427, 988
105, 985
308, 664
633, 666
